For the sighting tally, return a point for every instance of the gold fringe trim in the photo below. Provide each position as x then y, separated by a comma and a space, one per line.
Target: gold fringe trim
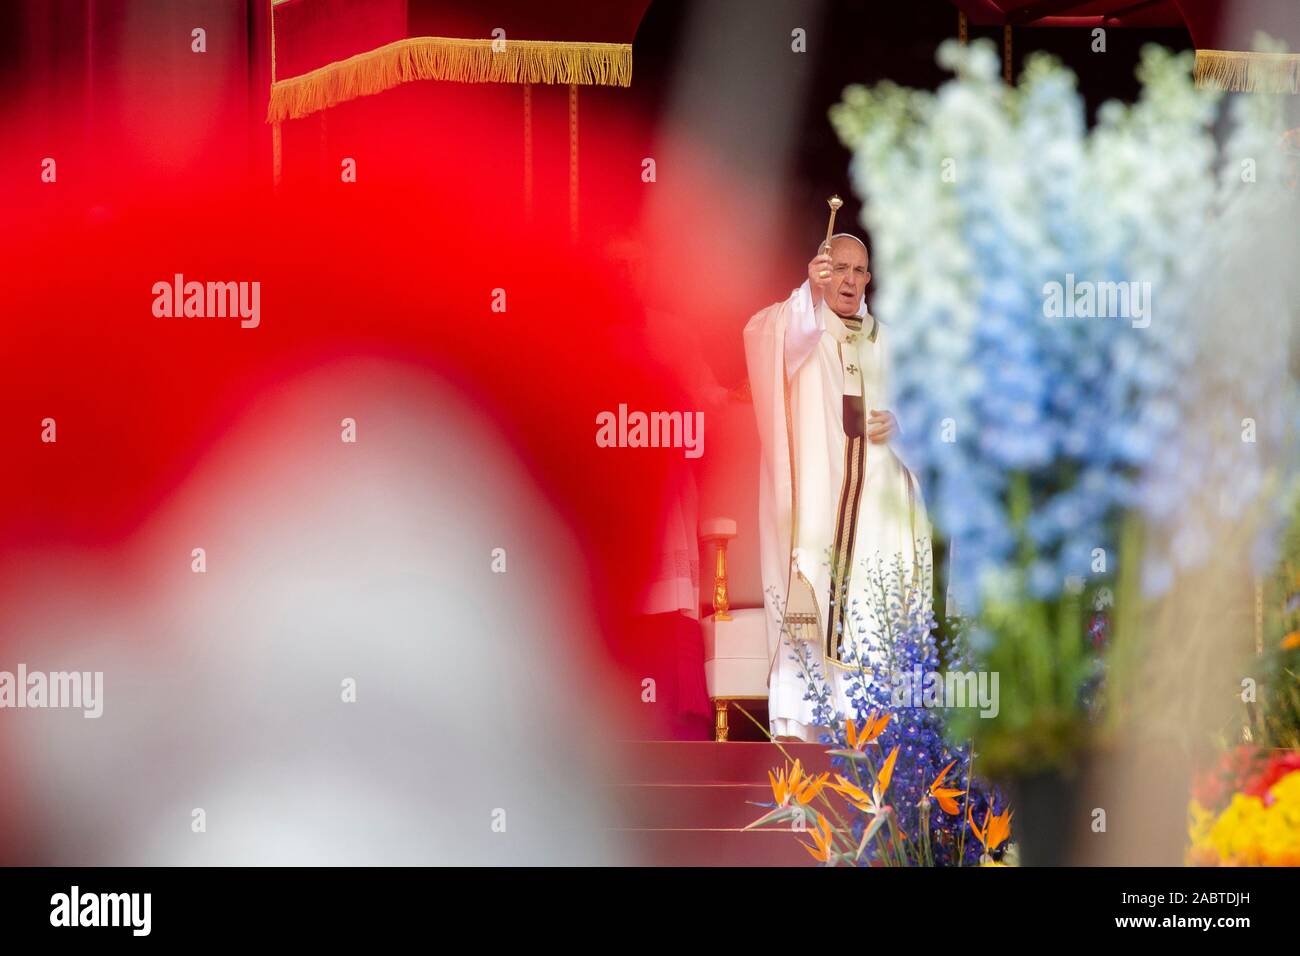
1241, 71
456, 60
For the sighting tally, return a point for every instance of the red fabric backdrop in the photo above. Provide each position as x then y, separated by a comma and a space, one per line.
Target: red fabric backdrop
312, 33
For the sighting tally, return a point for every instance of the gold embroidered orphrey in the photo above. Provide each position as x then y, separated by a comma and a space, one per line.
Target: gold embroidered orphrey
801, 613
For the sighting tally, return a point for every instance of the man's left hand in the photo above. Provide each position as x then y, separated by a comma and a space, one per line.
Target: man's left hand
881, 426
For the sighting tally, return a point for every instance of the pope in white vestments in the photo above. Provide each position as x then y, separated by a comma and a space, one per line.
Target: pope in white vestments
837, 507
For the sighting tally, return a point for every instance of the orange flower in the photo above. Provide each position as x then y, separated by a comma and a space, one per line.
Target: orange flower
872, 804
1291, 641
798, 786
854, 794
868, 803
779, 788
886, 773
996, 829
945, 795
872, 728
822, 835
810, 787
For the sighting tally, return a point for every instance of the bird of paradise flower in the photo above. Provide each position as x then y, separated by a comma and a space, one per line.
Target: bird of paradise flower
794, 792
995, 832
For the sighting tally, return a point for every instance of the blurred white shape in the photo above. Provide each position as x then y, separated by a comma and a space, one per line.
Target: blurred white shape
477, 692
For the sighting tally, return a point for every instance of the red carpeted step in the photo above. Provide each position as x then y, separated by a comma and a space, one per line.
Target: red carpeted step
685, 806
717, 847
690, 761
685, 803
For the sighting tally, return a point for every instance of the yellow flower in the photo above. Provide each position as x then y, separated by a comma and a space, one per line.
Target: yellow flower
1249, 832
1199, 821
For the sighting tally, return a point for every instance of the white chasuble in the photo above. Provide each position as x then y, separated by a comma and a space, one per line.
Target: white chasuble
836, 512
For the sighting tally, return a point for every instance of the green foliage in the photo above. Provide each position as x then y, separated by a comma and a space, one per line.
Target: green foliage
1040, 651
1276, 721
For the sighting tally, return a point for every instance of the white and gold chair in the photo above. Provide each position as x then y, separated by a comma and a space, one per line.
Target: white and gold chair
735, 634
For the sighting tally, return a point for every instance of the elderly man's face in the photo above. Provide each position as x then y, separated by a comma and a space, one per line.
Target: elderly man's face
849, 277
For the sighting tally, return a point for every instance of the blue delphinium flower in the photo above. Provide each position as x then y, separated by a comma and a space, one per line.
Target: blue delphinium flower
982, 197
898, 627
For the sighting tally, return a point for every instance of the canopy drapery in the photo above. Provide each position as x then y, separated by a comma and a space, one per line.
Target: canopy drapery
1222, 32
326, 52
